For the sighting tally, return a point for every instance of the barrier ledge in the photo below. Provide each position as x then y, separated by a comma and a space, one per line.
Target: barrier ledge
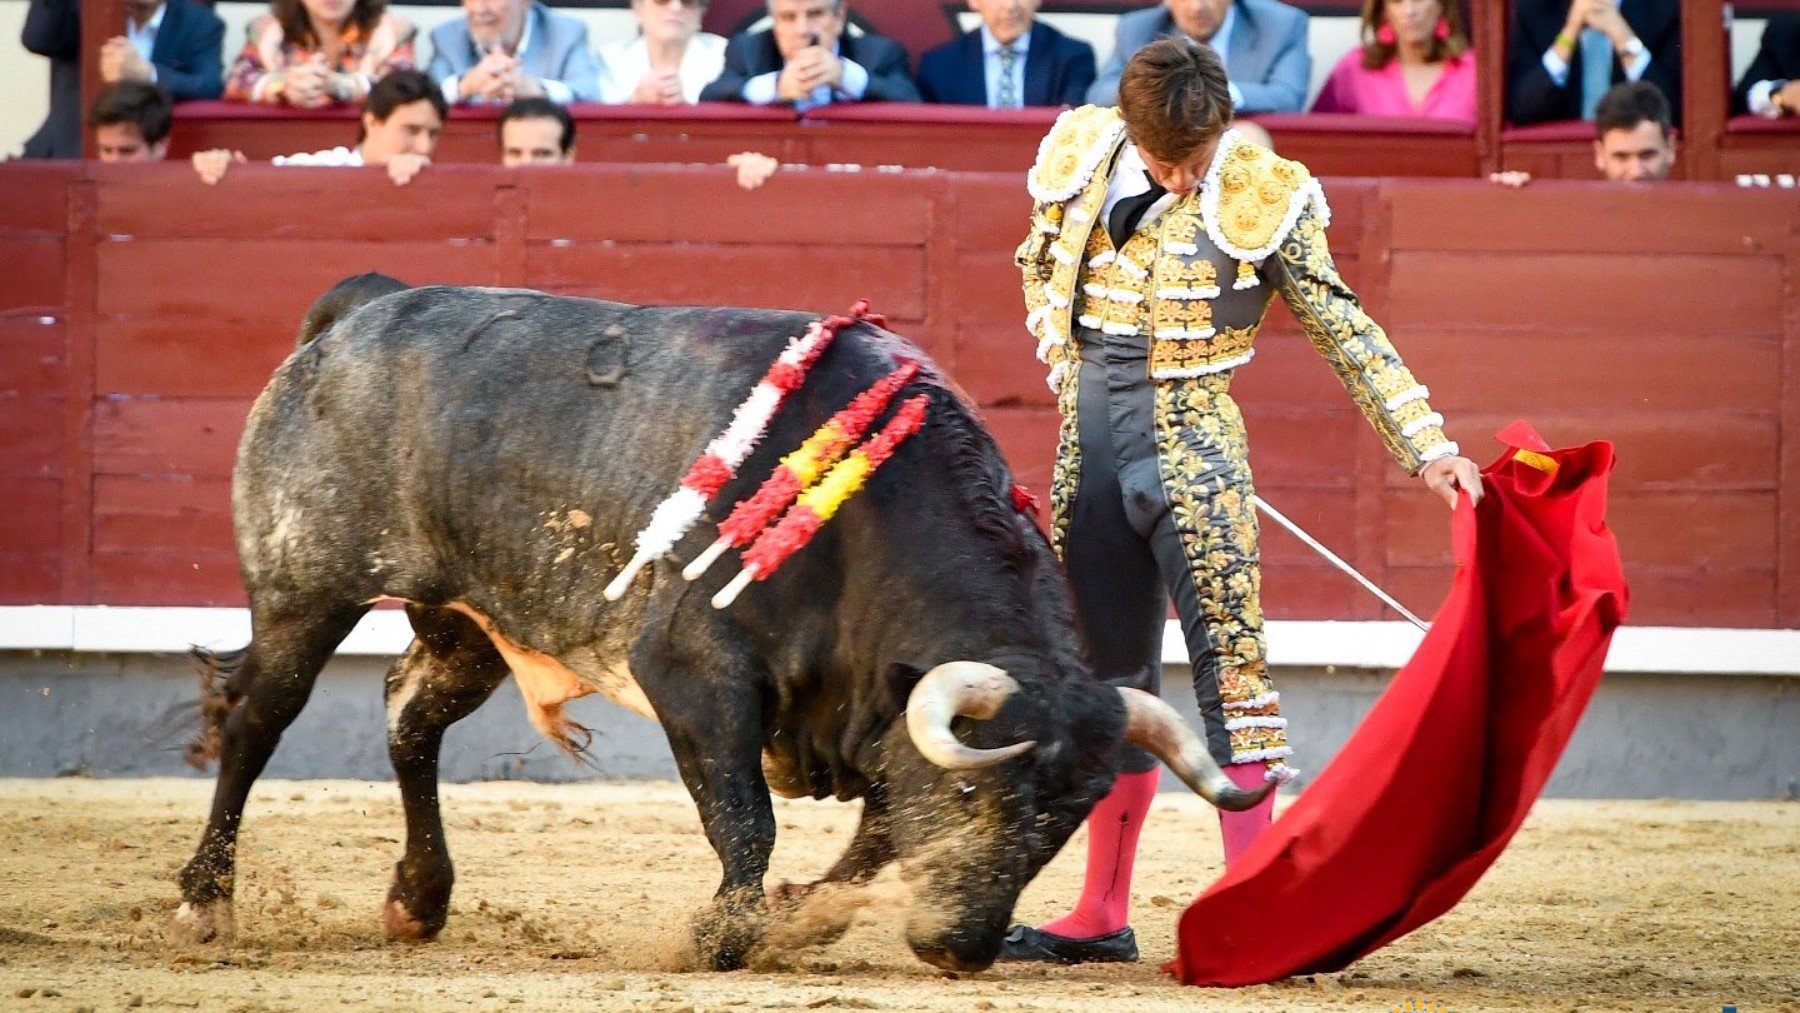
1292, 643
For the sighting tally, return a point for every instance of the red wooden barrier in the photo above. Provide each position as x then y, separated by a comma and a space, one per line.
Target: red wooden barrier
141, 312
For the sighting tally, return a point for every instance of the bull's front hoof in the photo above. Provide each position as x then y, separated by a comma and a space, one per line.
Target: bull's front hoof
194, 924
403, 926
726, 931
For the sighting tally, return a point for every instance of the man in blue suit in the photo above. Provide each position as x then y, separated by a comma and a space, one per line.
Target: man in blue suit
504, 50
1012, 60
1263, 44
177, 44
807, 60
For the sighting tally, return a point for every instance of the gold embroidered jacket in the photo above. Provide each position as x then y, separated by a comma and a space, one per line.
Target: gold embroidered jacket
1194, 280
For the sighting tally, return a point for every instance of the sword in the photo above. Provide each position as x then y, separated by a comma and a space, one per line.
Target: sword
1333, 558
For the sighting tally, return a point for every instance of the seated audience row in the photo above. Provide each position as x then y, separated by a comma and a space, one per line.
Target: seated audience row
1414, 59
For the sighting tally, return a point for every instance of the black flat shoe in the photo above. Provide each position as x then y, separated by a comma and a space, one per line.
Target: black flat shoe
1023, 942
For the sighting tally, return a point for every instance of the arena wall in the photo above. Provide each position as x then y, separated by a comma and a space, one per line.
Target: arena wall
141, 311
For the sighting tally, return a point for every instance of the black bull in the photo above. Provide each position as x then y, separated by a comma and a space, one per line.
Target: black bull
488, 455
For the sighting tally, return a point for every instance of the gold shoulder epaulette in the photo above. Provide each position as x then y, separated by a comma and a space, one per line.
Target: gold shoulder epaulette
1253, 198
1071, 151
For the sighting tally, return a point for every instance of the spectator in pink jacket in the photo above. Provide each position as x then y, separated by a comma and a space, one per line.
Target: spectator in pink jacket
1415, 61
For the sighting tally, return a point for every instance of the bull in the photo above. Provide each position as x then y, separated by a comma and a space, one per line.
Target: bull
486, 455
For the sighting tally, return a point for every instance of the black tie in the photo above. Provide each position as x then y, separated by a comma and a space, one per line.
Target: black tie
1129, 211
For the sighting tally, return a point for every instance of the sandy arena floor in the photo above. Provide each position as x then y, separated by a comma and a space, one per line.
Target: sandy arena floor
576, 897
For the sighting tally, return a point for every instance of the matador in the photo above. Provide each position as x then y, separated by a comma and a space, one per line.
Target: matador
1158, 239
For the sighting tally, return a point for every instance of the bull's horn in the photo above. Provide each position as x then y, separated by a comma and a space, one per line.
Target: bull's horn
971, 689
1154, 727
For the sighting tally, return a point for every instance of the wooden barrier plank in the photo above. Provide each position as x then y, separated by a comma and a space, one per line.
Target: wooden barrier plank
1788, 560
31, 351
1571, 218
33, 524
34, 274
31, 436
149, 436
208, 578
1537, 370
30, 578
169, 356
269, 202
141, 513
703, 204
1027, 437
812, 279
1608, 293
209, 281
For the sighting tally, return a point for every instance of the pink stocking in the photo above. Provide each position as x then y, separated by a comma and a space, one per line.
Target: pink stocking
1240, 830
1105, 904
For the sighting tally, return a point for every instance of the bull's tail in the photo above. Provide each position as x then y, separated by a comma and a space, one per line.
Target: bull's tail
345, 298
219, 693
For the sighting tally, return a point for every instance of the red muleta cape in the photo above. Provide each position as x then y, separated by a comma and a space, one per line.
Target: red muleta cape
1436, 780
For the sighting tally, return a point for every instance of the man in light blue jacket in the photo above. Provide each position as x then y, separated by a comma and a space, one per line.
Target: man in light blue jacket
505, 50
1263, 44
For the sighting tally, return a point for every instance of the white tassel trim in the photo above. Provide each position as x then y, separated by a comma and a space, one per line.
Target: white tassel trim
1276, 753
1185, 249
1049, 228
1101, 259
1245, 281
1119, 327
1095, 289
1057, 299
1448, 448
1044, 346
1417, 392
1079, 215
1206, 370
1184, 333
1088, 320
1309, 193
671, 520
1419, 424
1055, 379
1133, 268
1036, 317
1211, 292
1090, 161
1280, 773
1257, 721
1267, 699
1061, 254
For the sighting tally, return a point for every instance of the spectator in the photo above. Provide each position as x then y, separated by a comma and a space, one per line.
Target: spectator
1771, 84
1634, 138
669, 61
175, 43
53, 29
807, 61
1012, 60
512, 49
401, 119
131, 121
1563, 55
1262, 42
1414, 61
313, 53
536, 131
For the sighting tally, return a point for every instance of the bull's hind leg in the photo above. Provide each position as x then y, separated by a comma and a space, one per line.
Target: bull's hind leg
444, 676
713, 712
259, 700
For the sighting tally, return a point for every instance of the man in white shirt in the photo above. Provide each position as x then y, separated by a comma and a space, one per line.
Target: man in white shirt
807, 60
504, 50
1563, 55
401, 121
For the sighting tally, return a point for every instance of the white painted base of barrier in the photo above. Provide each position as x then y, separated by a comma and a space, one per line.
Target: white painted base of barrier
1292, 644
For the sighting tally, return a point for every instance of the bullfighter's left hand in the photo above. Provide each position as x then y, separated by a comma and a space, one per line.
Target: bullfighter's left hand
1446, 476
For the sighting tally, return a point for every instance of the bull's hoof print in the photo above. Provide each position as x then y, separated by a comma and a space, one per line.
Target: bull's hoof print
194, 924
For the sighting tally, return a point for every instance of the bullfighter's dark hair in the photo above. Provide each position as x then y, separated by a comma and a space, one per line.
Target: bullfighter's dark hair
296, 24
539, 108
1174, 98
144, 105
401, 88
1629, 104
